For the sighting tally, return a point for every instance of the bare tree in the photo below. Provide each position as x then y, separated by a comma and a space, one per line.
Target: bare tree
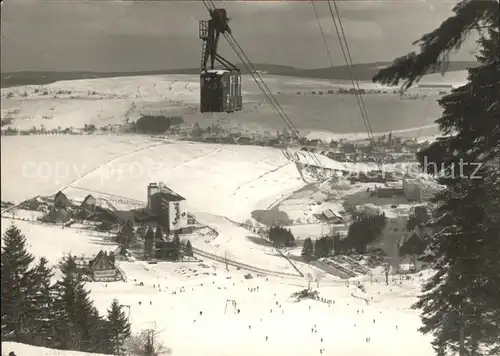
309, 278
319, 275
146, 343
227, 257
387, 269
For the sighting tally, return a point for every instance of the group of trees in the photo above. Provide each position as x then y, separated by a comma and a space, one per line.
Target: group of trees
281, 237
58, 315
150, 124
460, 303
364, 230
172, 249
164, 248
321, 247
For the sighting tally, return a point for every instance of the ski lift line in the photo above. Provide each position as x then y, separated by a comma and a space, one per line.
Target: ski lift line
342, 41
276, 106
350, 60
274, 102
262, 85
258, 79
249, 66
325, 42
268, 94
327, 47
264, 88
211, 8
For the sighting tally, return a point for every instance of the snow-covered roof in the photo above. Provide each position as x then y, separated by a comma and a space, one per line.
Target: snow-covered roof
330, 214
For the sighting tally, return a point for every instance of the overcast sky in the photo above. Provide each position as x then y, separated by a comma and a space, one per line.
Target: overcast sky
129, 36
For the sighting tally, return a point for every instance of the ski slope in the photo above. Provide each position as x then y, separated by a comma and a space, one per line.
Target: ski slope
288, 327
172, 295
223, 180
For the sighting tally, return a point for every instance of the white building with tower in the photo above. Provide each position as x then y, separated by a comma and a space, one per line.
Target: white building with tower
169, 207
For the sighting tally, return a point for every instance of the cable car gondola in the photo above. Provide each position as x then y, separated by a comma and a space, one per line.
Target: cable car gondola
220, 89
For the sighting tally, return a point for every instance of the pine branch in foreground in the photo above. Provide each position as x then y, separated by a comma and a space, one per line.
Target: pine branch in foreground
460, 304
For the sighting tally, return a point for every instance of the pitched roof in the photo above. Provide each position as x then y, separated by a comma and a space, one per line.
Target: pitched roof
60, 194
167, 192
86, 200
102, 255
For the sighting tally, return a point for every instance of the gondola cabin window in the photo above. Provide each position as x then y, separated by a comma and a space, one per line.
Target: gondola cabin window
220, 91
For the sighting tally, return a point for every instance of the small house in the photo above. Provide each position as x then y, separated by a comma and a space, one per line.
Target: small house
315, 142
414, 245
35, 204
103, 267
89, 203
331, 216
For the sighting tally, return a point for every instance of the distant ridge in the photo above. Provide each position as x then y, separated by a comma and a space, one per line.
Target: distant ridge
363, 72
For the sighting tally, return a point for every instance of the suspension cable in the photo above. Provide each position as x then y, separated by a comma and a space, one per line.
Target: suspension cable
325, 42
261, 84
343, 47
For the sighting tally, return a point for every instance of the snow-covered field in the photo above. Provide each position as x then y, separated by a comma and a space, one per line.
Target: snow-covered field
174, 294
113, 101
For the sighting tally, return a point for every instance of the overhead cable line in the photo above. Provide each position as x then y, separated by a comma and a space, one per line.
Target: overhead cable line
260, 83
348, 60
330, 57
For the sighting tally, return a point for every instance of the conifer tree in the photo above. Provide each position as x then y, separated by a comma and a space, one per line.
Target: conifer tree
125, 235
461, 303
41, 304
308, 249
317, 249
188, 249
148, 242
117, 329
177, 244
77, 322
337, 244
16, 275
158, 234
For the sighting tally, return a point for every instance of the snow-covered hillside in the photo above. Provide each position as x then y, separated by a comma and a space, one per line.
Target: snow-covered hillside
172, 296
308, 102
220, 179
225, 180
